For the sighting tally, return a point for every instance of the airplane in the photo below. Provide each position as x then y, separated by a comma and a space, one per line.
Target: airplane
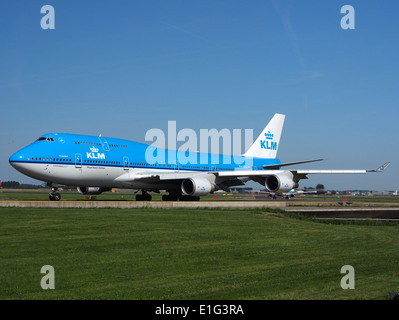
96, 164
291, 194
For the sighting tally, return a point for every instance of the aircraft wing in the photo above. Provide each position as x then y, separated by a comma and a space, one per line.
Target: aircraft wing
298, 173
379, 169
177, 177
152, 176
226, 179
156, 176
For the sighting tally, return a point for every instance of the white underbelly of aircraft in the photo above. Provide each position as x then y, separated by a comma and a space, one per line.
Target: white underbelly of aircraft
69, 174
87, 175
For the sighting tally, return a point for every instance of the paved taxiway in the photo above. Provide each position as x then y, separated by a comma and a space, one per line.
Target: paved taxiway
146, 204
309, 209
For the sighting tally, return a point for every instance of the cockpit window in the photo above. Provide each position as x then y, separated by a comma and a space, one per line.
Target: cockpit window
45, 139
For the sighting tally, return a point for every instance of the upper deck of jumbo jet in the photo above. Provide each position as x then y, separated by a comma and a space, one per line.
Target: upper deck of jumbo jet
69, 144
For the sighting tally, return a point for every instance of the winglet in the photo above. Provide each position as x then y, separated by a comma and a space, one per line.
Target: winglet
381, 168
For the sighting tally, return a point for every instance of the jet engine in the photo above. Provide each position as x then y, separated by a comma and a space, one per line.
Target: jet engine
92, 190
280, 182
197, 187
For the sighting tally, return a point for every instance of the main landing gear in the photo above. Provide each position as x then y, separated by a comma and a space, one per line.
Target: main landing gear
53, 195
145, 196
180, 197
170, 197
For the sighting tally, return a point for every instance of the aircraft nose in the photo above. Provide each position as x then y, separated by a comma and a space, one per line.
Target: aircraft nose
16, 157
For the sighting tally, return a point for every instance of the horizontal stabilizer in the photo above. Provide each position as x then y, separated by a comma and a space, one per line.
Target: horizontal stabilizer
276, 166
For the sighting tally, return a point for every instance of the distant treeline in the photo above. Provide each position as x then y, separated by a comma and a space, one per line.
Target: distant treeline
17, 185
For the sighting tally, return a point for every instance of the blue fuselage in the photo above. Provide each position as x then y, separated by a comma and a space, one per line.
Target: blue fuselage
82, 150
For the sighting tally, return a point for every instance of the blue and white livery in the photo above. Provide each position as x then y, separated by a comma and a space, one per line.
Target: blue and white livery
96, 164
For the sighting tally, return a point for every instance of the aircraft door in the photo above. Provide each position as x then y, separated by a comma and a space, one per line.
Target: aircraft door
125, 163
78, 160
104, 143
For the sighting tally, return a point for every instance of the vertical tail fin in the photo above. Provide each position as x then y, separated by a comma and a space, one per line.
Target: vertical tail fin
266, 145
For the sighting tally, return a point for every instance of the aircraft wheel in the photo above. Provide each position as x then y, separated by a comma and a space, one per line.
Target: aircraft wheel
54, 196
143, 197
169, 197
189, 198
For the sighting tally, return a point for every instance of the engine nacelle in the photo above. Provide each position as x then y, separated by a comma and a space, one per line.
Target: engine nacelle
280, 182
92, 190
196, 187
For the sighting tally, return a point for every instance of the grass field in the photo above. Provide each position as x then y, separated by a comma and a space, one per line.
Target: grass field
191, 254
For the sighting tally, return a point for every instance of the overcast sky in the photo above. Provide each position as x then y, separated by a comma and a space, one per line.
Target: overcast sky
121, 68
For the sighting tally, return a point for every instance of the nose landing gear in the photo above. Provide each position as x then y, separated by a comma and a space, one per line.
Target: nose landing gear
53, 195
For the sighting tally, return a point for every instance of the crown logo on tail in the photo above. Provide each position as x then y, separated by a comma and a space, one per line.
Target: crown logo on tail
269, 136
